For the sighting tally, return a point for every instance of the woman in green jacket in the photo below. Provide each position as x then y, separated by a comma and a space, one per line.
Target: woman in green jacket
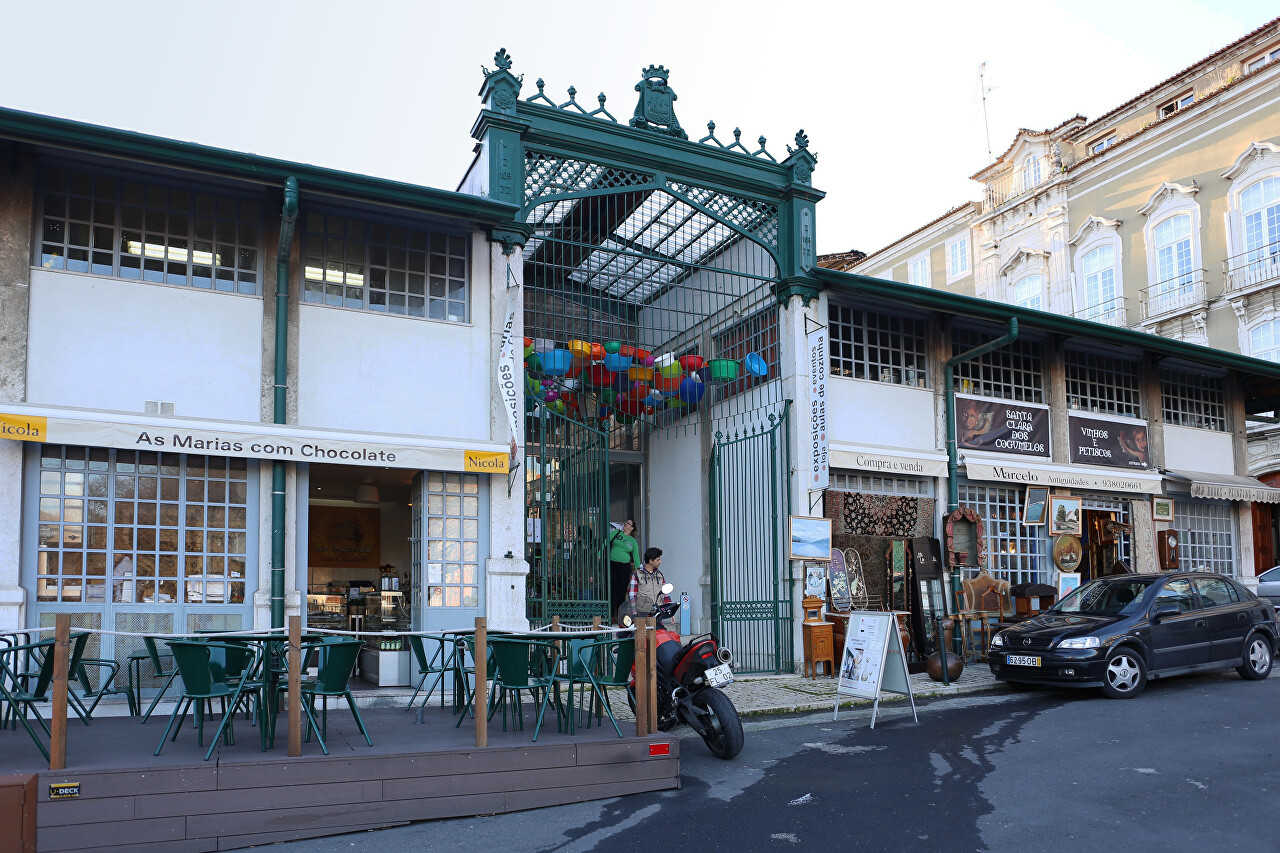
624, 558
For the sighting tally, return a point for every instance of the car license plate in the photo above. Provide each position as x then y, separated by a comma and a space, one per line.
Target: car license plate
719, 676
1022, 660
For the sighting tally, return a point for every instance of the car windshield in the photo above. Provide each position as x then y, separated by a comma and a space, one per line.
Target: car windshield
1105, 597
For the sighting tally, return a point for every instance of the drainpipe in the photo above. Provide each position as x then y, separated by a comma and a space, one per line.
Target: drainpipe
953, 465
288, 218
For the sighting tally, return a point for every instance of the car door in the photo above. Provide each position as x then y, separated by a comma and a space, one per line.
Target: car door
1181, 640
1227, 615
1269, 585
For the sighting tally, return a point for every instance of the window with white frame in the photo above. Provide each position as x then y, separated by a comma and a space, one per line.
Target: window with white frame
1105, 384
1178, 103
1030, 172
1264, 340
879, 484
143, 230
957, 258
355, 263
453, 539
1028, 292
1207, 534
1015, 553
1103, 144
1260, 62
1193, 400
1173, 253
876, 346
918, 271
1260, 212
1098, 279
1013, 372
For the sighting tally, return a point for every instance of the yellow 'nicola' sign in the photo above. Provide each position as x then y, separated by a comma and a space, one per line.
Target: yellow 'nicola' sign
23, 428
485, 462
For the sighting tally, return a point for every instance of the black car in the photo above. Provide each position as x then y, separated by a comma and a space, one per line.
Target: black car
1118, 631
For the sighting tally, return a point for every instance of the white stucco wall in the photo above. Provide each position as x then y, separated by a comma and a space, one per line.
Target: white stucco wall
677, 515
103, 343
1187, 449
877, 413
366, 371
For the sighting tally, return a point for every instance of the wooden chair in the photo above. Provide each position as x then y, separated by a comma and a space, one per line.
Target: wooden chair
986, 599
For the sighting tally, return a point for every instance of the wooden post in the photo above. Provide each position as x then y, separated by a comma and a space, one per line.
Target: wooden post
642, 678
295, 686
595, 623
58, 721
482, 683
555, 622
651, 634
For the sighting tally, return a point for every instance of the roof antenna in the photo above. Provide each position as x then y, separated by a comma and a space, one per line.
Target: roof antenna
983, 90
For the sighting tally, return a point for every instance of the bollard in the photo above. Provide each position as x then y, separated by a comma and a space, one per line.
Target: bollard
295, 686
641, 678
651, 640
58, 721
481, 694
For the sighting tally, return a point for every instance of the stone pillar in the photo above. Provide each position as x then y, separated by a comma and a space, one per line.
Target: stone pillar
17, 204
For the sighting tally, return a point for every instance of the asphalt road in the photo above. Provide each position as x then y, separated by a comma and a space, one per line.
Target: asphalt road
1189, 765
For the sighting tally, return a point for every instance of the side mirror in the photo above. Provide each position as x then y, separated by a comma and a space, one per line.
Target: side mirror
626, 620
667, 588
1164, 612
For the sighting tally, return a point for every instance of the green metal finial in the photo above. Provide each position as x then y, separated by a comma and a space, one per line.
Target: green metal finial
502, 60
656, 108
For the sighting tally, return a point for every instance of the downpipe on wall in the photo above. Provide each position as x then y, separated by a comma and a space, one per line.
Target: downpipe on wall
288, 219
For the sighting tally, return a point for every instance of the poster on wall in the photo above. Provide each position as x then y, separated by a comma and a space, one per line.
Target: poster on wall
1119, 444
1002, 427
819, 449
344, 537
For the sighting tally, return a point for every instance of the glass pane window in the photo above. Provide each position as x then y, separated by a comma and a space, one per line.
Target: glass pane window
1173, 253
1028, 292
877, 347
958, 258
130, 228
1208, 540
1264, 341
1193, 400
918, 271
1103, 383
1099, 270
1260, 204
879, 484
453, 540
354, 263
1031, 173
1015, 552
1013, 372
756, 334
141, 527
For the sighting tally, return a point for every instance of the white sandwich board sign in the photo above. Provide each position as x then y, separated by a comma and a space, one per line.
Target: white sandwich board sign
873, 662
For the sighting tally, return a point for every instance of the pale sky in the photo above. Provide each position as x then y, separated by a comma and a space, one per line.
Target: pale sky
888, 92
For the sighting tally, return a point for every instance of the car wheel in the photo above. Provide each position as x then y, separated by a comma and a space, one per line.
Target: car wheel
1256, 662
1124, 675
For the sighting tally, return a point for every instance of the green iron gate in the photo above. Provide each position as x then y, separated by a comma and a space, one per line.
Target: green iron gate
567, 505
750, 574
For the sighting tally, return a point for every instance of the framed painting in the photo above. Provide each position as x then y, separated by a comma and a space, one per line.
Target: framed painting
1065, 516
1035, 506
810, 538
1162, 509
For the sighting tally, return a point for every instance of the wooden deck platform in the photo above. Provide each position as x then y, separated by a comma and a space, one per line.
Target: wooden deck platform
130, 800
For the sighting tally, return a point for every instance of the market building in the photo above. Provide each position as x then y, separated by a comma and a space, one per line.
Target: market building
237, 388
1152, 217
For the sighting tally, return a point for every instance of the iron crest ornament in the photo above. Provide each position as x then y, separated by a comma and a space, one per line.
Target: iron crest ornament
656, 108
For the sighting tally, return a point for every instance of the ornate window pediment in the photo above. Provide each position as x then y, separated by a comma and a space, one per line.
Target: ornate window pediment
1169, 191
1259, 156
1024, 260
1094, 227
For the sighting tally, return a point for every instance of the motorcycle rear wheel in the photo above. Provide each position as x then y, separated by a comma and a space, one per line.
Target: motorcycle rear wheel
724, 736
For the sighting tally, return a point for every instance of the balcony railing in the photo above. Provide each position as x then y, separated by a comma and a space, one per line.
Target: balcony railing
1181, 293
1021, 180
1252, 270
1112, 312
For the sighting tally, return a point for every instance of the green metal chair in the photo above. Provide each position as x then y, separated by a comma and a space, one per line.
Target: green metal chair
200, 685
575, 667
337, 660
607, 663
106, 684
523, 665
136, 659
439, 664
22, 689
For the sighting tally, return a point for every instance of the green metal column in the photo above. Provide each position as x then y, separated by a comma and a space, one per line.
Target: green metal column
288, 218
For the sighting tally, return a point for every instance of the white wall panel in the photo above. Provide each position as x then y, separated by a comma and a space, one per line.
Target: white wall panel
105, 343
878, 413
1187, 449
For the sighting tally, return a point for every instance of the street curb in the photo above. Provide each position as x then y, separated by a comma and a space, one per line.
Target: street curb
828, 704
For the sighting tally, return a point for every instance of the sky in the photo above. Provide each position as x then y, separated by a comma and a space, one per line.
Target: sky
888, 93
